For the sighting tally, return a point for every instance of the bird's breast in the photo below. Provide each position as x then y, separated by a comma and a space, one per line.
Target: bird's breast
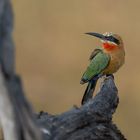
117, 59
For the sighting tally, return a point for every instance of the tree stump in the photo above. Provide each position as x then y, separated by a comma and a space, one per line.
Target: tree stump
92, 121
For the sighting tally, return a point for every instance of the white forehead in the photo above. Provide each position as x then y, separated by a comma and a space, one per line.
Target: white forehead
108, 34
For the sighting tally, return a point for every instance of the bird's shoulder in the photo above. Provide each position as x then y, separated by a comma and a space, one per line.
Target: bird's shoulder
94, 53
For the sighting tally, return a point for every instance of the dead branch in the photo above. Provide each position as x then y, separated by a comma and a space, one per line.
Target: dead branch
92, 121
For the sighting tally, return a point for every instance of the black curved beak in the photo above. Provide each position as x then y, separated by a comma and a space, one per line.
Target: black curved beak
107, 38
96, 35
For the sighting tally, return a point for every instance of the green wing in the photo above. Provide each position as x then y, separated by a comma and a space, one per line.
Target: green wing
94, 53
98, 63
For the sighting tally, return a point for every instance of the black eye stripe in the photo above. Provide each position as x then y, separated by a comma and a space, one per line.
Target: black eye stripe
113, 39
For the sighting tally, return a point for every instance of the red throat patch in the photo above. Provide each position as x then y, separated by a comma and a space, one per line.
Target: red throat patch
109, 47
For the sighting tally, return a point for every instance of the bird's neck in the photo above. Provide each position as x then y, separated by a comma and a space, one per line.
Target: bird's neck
109, 46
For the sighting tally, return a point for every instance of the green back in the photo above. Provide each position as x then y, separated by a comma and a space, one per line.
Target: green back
98, 63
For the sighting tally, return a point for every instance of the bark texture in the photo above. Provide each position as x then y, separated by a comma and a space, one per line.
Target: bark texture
92, 121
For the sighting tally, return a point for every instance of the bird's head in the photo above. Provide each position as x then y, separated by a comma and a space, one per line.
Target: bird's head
109, 40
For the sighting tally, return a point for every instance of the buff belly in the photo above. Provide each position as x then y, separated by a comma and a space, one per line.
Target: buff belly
117, 60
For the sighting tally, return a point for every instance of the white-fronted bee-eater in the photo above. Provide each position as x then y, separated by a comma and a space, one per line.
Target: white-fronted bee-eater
105, 60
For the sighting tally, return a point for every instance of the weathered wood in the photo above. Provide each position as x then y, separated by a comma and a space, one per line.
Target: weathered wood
16, 116
92, 121
7, 49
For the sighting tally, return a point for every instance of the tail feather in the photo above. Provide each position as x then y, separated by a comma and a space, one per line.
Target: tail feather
89, 90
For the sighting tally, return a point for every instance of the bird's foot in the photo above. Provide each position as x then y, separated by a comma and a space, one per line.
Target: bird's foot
110, 75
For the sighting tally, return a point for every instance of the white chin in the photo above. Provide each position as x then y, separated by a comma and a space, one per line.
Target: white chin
103, 41
109, 42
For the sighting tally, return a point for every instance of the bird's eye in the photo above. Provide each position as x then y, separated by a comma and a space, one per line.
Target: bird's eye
113, 39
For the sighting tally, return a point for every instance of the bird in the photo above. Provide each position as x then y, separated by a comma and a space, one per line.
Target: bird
104, 61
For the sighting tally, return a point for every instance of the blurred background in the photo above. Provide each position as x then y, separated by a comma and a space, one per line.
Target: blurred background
52, 53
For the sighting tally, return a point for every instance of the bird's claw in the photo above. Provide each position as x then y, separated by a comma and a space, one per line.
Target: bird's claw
110, 75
